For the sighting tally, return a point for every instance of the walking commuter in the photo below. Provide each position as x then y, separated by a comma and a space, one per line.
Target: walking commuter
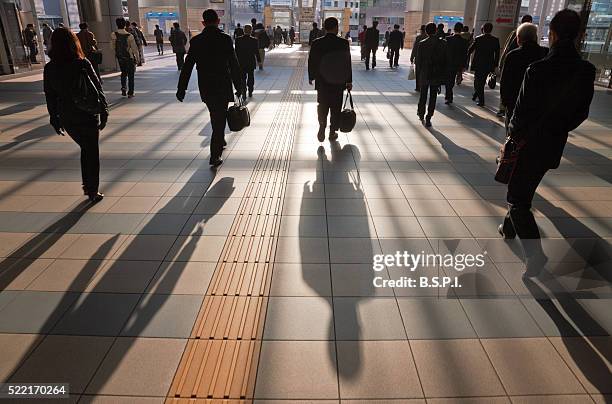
415, 51
247, 52
291, 36
361, 39
141, 41
67, 63
457, 48
159, 39
215, 77
386, 43
486, 58
46, 32
516, 64
554, 99
178, 40
89, 45
440, 32
263, 42
314, 33
238, 31
329, 65
372, 38
432, 61
31, 41
395, 43
124, 46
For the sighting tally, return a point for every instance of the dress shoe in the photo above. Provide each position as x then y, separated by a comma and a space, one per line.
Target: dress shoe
321, 134
95, 198
427, 122
250, 94
333, 135
123, 92
131, 95
216, 162
421, 117
474, 96
481, 104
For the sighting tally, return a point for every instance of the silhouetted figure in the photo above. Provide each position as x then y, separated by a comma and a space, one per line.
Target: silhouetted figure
315, 33
89, 45
46, 32
30, 38
159, 39
432, 62
213, 54
65, 107
238, 31
554, 99
371, 44
126, 52
457, 48
361, 39
395, 42
440, 32
386, 42
178, 40
263, 42
486, 58
248, 58
291, 36
141, 41
329, 65
415, 52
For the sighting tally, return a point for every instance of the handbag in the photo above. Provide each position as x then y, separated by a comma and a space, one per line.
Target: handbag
411, 73
492, 80
506, 161
348, 117
95, 57
238, 116
85, 94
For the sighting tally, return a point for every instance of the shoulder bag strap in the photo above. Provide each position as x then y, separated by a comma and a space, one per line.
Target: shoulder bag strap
350, 98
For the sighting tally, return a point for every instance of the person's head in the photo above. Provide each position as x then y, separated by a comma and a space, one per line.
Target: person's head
65, 46
375, 24
253, 22
431, 29
156, 26
331, 25
134, 25
527, 32
120, 23
30, 26
83, 25
441, 27
466, 28
365, 27
248, 29
422, 29
396, 27
176, 25
526, 18
314, 25
61, 25
259, 26
458, 27
238, 25
487, 28
210, 18
44, 24
565, 25
388, 28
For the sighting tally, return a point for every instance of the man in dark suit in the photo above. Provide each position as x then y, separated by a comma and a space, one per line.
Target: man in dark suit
516, 64
178, 40
432, 62
372, 37
329, 65
218, 68
486, 58
554, 99
395, 43
457, 48
315, 33
414, 53
248, 57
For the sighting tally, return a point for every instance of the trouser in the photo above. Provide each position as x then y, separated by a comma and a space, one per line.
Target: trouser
362, 51
394, 57
329, 99
127, 74
248, 79
141, 53
33, 52
459, 78
262, 55
87, 138
450, 83
218, 117
180, 59
431, 105
480, 79
160, 47
416, 75
367, 56
96, 68
521, 189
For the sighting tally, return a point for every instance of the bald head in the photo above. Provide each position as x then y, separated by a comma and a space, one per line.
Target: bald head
527, 32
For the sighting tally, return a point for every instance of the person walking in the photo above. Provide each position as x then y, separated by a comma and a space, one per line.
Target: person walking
141, 41
178, 40
517, 61
372, 38
440, 32
67, 64
314, 34
247, 52
329, 66
361, 39
486, 58
159, 39
386, 42
415, 51
30, 38
263, 42
432, 61
89, 45
554, 99
215, 77
457, 48
395, 43
124, 46
46, 32
291, 36
238, 31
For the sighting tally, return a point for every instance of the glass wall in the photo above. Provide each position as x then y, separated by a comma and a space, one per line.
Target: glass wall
596, 46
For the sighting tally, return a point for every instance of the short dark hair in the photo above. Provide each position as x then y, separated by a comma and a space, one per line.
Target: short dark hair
458, 27
365, 26
396, 26
330, 23
441, 27
156, 26
83, 25
254, 20
134, 24
431, 28
566, 24
314, 24
29, 25
375, 23
120, 22
466, 28
487, 28
423, 27
526, 18
176, 25
210, 16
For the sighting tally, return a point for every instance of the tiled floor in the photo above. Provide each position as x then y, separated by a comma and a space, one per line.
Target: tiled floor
106, 297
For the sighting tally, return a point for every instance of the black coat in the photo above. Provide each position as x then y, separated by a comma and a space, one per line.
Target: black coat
486, 53
415, 47
178, 40
315, 33
514, 68
432, 60
554, 99
329, 62
396, 40
372, 37
457, 48
247, 52
213, 54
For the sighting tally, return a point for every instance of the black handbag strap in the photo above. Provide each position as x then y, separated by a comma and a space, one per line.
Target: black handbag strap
348, 97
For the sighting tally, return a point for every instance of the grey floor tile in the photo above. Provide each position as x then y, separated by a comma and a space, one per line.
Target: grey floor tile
301, 280
34, 312
500, 318
353, 250
162, 223
299, 318
431, 318
15, 349
123, 277
443, 227
373, 318
180, 277
357, 280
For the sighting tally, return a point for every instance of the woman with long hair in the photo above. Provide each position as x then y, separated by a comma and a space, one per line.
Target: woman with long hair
67, 111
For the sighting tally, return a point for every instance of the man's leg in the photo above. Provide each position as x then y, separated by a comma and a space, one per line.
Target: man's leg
416, 75
335, 105
521, 190
124, 74
141, 53
479, 83
218, 117
391, 57
250, 82
422, 100
396, 59
367, 57
433, 95
131, 71
450, 83
374, 57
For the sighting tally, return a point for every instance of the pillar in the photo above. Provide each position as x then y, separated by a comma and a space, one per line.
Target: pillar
426, 16
64, 12
485, 11
469, 13
133, 11
110, 10
182, 9
542, 21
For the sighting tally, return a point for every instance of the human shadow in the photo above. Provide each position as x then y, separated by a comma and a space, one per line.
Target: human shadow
17, 108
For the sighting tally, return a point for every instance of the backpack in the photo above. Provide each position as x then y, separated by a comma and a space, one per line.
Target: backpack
84, 93
121, 47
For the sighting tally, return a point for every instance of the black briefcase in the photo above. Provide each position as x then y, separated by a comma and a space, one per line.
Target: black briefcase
96, 57
238, 116
492, 80
348, 118
506, 161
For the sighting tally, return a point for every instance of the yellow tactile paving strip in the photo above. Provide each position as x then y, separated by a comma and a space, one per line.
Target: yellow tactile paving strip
219, 364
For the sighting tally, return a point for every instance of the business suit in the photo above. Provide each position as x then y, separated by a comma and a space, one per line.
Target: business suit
395, 43
329, 65
178, 40
457, 48
371, 43
486, 58
413, 56
213, 54
432, 62
247, 52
